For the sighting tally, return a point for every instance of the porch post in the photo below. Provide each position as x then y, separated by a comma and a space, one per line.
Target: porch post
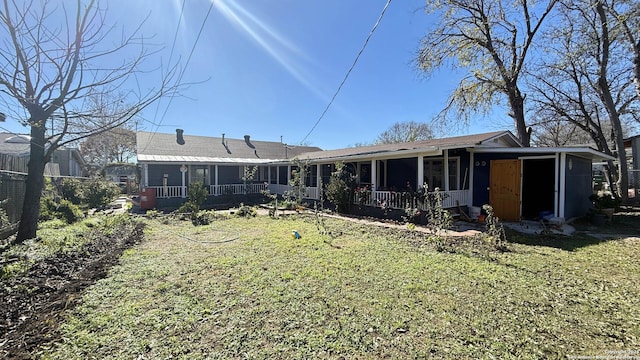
318, 181
446, 169
374, 175
145, 169
278, 175
358, 168
183, 170
268, 174
559, 198
288, 174
215, 179
471, 171
420, 180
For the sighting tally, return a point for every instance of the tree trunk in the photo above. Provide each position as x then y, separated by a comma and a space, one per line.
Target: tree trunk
622, 184
34, 185
516, 102
636, 66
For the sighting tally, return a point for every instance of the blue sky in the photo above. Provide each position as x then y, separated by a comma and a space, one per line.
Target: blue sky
268, 68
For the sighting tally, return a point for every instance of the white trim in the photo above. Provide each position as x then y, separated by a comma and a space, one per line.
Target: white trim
445, 165
584, 152
471, 179
145, 169
563, 180
420, 179
374, 174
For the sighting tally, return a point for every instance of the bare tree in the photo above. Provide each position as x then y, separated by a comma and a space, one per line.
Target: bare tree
626, 14
556, 132
115, 145
49, 67
585, 81
492, 40
405, 132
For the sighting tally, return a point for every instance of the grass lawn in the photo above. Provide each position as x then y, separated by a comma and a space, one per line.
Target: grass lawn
243, 288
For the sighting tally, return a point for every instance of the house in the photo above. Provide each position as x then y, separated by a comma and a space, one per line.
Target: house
491, 168
14, 156
632, 146
124, 174
170, 162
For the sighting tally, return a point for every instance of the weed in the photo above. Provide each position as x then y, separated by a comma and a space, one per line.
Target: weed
203, 217
246, 211
495, 229
327, 235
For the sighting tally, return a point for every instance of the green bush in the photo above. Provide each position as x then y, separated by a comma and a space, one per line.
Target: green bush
205, 217
246, 211
64, 210
72, 190
99, 192
338, 190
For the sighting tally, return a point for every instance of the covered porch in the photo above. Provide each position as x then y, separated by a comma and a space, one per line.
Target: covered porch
172, 180
391, 182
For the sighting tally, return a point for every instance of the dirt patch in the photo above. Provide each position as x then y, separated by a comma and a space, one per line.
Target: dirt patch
34, 303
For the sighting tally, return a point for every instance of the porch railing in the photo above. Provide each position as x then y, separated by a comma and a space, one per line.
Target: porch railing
235, 189
403, 200
232, 189
168, 191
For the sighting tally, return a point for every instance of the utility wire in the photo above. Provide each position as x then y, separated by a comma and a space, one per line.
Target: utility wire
344, 80
193, 48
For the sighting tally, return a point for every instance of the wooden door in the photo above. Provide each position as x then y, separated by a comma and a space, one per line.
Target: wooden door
504, 193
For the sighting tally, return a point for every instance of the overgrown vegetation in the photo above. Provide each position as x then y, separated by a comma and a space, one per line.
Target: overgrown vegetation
494, 229
196, 196
297, 185
68, 199
88, 194
339, 190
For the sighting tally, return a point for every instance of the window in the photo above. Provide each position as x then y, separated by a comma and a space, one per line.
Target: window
365, 173
434, 173
200, 174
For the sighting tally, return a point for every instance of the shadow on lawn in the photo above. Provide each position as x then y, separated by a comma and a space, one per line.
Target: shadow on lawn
624, 224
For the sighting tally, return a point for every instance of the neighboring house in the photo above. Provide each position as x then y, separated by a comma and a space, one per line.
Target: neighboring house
632, 146
124, 174
491, 168
217, 162
121, 173
14, 156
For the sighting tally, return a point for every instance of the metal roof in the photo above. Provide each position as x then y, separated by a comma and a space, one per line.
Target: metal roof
164, 147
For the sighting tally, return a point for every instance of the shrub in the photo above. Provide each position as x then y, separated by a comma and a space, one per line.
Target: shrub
72, 190
203, 217
64, 210
338, 190
246, 211
495, 231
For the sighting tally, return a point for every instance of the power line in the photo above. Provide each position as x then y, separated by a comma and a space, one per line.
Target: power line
344, 80
204, 22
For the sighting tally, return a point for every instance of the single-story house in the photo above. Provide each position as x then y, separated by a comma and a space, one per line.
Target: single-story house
170, 162
15, 152
491, 168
